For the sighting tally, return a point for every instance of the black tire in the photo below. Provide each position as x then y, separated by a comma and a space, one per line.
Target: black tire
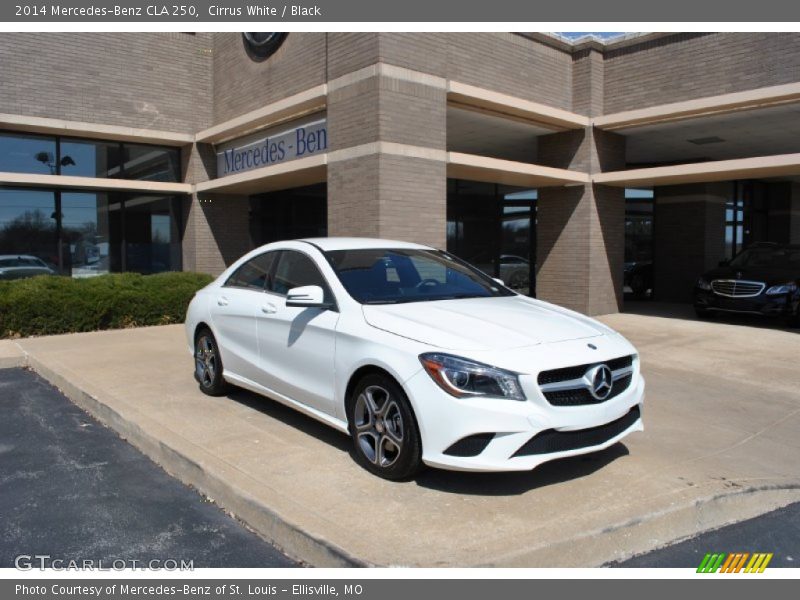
702, 313
638, 286
208, 364
386, 439
793, 320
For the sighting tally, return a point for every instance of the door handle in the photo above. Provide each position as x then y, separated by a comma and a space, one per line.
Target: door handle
269, 309
222, 301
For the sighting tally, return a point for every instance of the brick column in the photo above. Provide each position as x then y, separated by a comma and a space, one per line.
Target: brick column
689, 230
386, 170
581, 229
215, 226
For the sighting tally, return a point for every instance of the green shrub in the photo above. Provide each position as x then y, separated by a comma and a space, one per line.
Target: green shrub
48, 305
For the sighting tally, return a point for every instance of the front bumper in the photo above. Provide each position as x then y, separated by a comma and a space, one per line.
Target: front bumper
511, 435
768, 306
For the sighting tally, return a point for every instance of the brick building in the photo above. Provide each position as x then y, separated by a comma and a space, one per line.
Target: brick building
549, 163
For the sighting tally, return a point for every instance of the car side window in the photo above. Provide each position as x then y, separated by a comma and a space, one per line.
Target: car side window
295, 269
254, 274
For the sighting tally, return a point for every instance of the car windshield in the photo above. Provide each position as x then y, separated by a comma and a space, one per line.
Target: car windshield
392, 276
769, 257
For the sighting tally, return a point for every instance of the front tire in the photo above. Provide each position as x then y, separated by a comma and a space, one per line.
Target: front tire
703, 313
208, 364
384, 430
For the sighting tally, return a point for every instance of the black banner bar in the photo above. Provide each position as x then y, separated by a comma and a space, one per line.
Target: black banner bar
474, 11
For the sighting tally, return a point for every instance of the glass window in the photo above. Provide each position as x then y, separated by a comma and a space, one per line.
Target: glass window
389, 276
295, 269
494, 228
254, 273
20, 153
152, 163
90, 230
87, 158
152, 240
28, 224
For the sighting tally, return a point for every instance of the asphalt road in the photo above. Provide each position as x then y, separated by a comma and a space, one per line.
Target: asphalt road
777, 532
72, 489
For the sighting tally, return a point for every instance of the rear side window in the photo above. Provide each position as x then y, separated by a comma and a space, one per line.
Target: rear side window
295, 269
254, 274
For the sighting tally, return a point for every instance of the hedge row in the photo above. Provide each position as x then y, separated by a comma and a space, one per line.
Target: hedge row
49, 305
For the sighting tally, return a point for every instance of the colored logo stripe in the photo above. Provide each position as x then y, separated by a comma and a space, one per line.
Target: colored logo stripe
735, 562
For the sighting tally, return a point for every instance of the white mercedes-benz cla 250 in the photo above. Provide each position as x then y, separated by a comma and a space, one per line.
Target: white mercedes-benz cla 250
418, 356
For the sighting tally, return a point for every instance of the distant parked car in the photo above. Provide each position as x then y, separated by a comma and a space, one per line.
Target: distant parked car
515, 271
638, 278
21, 266
763, 279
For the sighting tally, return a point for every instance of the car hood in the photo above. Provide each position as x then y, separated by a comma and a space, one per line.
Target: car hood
498, 323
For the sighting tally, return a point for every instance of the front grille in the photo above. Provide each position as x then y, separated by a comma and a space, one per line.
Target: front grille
551, 440
736, 288
582, 396
578, 394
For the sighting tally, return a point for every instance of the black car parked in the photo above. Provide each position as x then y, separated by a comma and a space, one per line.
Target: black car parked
764, 279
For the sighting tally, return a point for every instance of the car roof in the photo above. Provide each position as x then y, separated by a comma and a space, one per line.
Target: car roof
6, 256
357, 243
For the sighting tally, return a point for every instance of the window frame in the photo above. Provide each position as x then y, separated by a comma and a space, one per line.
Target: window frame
269, 273
334, 302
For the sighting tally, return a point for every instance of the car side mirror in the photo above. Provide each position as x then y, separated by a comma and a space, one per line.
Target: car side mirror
724, 263
307, 296
498, 280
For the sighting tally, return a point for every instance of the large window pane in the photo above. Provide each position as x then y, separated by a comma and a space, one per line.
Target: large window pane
86, 158
151, 163
494, 228
152, 242
27, 154
28, 225
88, 234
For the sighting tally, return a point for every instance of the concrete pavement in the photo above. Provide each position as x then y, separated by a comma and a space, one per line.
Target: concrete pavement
720, 444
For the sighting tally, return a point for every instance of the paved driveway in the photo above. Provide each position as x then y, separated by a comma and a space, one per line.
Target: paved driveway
722, 417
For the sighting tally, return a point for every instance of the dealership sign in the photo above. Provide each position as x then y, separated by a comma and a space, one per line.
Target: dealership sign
259, 150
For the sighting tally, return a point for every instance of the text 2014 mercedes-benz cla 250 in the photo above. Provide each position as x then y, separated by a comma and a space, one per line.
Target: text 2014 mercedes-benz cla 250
420, 357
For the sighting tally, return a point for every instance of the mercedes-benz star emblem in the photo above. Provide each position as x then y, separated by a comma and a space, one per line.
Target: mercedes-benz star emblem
600, 381
261, 46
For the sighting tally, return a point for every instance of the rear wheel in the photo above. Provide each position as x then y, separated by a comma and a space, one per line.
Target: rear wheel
208, 364
385, 433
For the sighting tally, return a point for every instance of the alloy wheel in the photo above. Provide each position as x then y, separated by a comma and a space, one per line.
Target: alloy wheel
379, 426
205, 361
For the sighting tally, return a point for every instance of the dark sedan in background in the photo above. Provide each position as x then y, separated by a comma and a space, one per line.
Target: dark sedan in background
763, 279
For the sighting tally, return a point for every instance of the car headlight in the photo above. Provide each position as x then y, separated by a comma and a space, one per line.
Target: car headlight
703, 284
462, 378
784, 288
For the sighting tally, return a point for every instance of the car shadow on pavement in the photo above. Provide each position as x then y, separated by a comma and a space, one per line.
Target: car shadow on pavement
516, 483
455, 482
289, 416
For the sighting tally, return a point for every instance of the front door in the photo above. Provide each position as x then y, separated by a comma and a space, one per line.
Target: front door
298, 345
